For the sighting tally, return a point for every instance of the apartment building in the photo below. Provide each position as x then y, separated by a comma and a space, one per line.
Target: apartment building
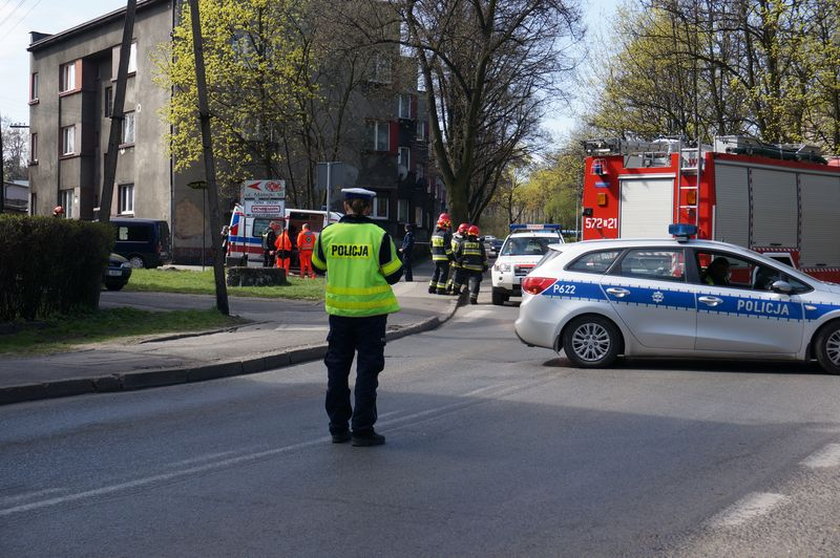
72, 82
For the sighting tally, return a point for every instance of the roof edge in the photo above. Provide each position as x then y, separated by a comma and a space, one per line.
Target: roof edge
46, 40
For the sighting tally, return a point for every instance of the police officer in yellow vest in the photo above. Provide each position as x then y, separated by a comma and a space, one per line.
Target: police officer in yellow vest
361, 263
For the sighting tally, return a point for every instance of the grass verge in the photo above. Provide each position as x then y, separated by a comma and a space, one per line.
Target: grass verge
61, 334
171, 280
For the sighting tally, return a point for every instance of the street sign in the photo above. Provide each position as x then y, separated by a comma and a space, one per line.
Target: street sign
264, 198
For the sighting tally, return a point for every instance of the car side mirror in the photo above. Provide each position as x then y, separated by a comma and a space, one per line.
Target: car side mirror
781, 287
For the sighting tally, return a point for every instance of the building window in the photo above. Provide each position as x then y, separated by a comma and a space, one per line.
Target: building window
405, 102
34, 87
404, 157
420, 172
115, 60
418, 216
33, 148
402, 211
68, 140
380, 71
421, 130
126, 198
127, 136
132, 59
108, 102
378, 134
380, 208
68, 77
65, 200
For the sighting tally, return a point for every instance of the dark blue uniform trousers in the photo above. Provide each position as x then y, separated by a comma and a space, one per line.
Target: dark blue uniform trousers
347, 336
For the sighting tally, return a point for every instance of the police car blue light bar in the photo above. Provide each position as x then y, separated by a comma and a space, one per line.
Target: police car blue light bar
682, 231
534, 227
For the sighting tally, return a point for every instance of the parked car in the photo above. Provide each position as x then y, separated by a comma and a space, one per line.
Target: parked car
117, 273
520, 252
492, 245
599, 299
144, 242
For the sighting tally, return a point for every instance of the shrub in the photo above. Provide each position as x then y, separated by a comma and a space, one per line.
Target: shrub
50, 266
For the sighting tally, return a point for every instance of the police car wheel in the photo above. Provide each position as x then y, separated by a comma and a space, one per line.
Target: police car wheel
498, 298
827, 347
591, 342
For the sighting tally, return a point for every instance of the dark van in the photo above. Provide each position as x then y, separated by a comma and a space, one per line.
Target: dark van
144, 242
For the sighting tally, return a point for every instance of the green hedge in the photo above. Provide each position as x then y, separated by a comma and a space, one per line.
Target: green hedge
50, 266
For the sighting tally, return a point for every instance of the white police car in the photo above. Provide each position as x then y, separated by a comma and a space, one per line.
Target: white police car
523, 248
599, 299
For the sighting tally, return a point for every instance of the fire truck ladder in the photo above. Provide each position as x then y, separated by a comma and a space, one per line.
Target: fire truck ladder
689, 164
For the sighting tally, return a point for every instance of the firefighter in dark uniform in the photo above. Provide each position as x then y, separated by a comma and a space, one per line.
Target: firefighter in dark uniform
472, 258
441, 247
454, 267
362, 264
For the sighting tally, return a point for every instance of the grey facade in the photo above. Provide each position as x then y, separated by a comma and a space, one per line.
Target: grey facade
72, 77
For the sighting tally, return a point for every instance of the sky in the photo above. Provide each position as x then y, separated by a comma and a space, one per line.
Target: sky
19, 17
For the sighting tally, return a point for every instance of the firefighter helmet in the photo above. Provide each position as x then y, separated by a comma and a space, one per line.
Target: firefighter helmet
463, 227
473, 231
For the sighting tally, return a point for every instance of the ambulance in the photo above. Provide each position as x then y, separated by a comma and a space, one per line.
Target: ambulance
244, 246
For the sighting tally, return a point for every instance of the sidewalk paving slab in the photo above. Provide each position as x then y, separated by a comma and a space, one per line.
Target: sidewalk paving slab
273, 340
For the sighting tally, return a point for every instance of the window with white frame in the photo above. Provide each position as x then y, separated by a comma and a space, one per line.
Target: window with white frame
34, 87
380, 71
404, 108
402, 211
132, 58
418, 216
421, 130
33, 148
68, 77
126, 198
127, 136
68, 140
404, 157
378, 134
65, 200
380, 208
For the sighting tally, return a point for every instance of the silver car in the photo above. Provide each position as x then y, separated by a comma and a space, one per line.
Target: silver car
597, 300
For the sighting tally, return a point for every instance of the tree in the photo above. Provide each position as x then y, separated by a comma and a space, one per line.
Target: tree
15, 151
253, 63
487, 69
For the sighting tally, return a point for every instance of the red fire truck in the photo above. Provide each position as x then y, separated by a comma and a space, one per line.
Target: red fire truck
783, 200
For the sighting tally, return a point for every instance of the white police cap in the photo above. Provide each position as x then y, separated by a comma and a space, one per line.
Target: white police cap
358, 193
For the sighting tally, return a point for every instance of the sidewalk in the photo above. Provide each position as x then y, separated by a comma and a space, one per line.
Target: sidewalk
282, 333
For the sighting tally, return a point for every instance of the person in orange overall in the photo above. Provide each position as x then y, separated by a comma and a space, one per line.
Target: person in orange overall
283, 246
306, 243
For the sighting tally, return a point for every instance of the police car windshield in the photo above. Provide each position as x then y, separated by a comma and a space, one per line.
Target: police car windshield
527, 246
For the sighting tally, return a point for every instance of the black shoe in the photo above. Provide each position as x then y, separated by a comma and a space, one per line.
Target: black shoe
431, 290
341, 437
367, 438
473, 301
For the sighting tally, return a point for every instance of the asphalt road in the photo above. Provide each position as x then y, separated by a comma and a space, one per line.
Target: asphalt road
494, 449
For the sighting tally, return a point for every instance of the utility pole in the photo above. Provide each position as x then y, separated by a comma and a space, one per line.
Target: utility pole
2, 170
117, 116
209, 163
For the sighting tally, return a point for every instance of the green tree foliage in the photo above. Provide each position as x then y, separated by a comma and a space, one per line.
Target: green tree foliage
701, 68
254, 61
487, 68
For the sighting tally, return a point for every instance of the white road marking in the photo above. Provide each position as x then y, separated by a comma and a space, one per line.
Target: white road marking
200, 458
829, 456
394, 424
5, 500
747, 508
301, 328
